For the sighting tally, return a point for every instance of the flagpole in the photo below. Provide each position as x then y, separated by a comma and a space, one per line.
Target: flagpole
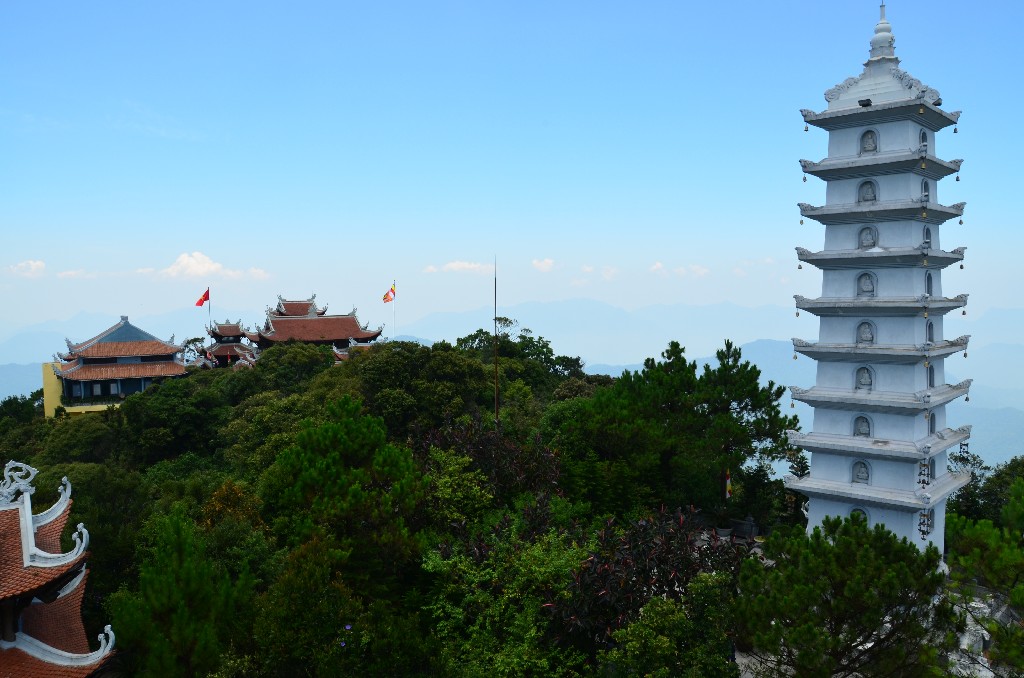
497, 418
394, 310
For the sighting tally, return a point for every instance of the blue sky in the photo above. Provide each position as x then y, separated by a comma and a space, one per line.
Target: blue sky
632, 153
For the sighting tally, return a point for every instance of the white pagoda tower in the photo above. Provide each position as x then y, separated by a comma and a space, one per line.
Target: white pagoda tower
880, 438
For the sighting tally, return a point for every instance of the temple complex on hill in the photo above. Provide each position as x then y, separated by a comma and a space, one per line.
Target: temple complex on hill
304, 321
880, 437
119, 361
41, 589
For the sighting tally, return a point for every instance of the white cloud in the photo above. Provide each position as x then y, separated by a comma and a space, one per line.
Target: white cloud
543, 265
587, 268
77, 273
657, 266
609, 272
699, 271
198, 265
739, 272
30, 268
463, 266
430, 269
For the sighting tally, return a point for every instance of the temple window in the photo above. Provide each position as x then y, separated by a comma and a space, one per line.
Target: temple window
926, 191
865, 285
862, 427
867, 192
924, 141
867, 238
865, 333
931, 376
928, 286
861, 473
860, 513
930, 332
865, 380
927, 237
931, 423
869, 142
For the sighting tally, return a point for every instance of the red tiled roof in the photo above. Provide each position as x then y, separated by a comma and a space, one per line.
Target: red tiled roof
113, 349
225, 330
48, 535
77, 372
59, 623
234, 349
306, 307
15, 578
323, 328
16, 664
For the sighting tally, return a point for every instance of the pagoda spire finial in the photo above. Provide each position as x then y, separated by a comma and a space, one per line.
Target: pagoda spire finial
882, 43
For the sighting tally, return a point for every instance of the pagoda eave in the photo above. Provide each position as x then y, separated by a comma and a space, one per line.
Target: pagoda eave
880, 353
873, 306
878, 257
920, 111
880, 448
888, 402
909, 161
882, 211
861, 493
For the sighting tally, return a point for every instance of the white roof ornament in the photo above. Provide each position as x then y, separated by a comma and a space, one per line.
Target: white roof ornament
883, 43
17, 479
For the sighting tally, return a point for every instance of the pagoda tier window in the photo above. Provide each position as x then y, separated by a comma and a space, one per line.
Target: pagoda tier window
931, 422
926, 191
865, 333
861, 473
867, 192
869, 142
930, 332
927, 237
924, 141
866, 285
862, 427
861, 513
865, 379
929, 287
867, 238
931, 376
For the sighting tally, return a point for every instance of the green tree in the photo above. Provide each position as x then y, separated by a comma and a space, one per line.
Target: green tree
186, 611
845, 600
344, 478
687, 638
666, 434
987, 564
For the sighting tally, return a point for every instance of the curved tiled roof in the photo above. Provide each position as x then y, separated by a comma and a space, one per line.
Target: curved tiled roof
326, 328
59, 623
79, 372
15, 663
15, 578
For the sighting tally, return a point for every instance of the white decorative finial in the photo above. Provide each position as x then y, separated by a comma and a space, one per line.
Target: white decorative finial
883, 41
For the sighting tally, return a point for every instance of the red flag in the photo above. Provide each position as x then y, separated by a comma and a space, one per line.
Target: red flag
390, 294
205, 298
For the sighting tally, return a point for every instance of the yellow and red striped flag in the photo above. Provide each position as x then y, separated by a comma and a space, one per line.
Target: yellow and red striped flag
389, 296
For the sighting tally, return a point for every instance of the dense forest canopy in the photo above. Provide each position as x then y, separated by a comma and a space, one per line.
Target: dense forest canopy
374, 518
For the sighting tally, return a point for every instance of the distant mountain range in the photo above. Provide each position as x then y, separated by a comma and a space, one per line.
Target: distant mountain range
612, 339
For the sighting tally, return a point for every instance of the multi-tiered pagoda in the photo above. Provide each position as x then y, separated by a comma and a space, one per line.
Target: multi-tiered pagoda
880, 436
227, 348
41, 588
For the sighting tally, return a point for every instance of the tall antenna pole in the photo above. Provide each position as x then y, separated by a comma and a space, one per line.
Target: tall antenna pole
497, 418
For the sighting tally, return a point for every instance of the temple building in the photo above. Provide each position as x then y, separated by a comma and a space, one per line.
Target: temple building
99, 372
880, 437
227, 348
41, 589
306, 322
